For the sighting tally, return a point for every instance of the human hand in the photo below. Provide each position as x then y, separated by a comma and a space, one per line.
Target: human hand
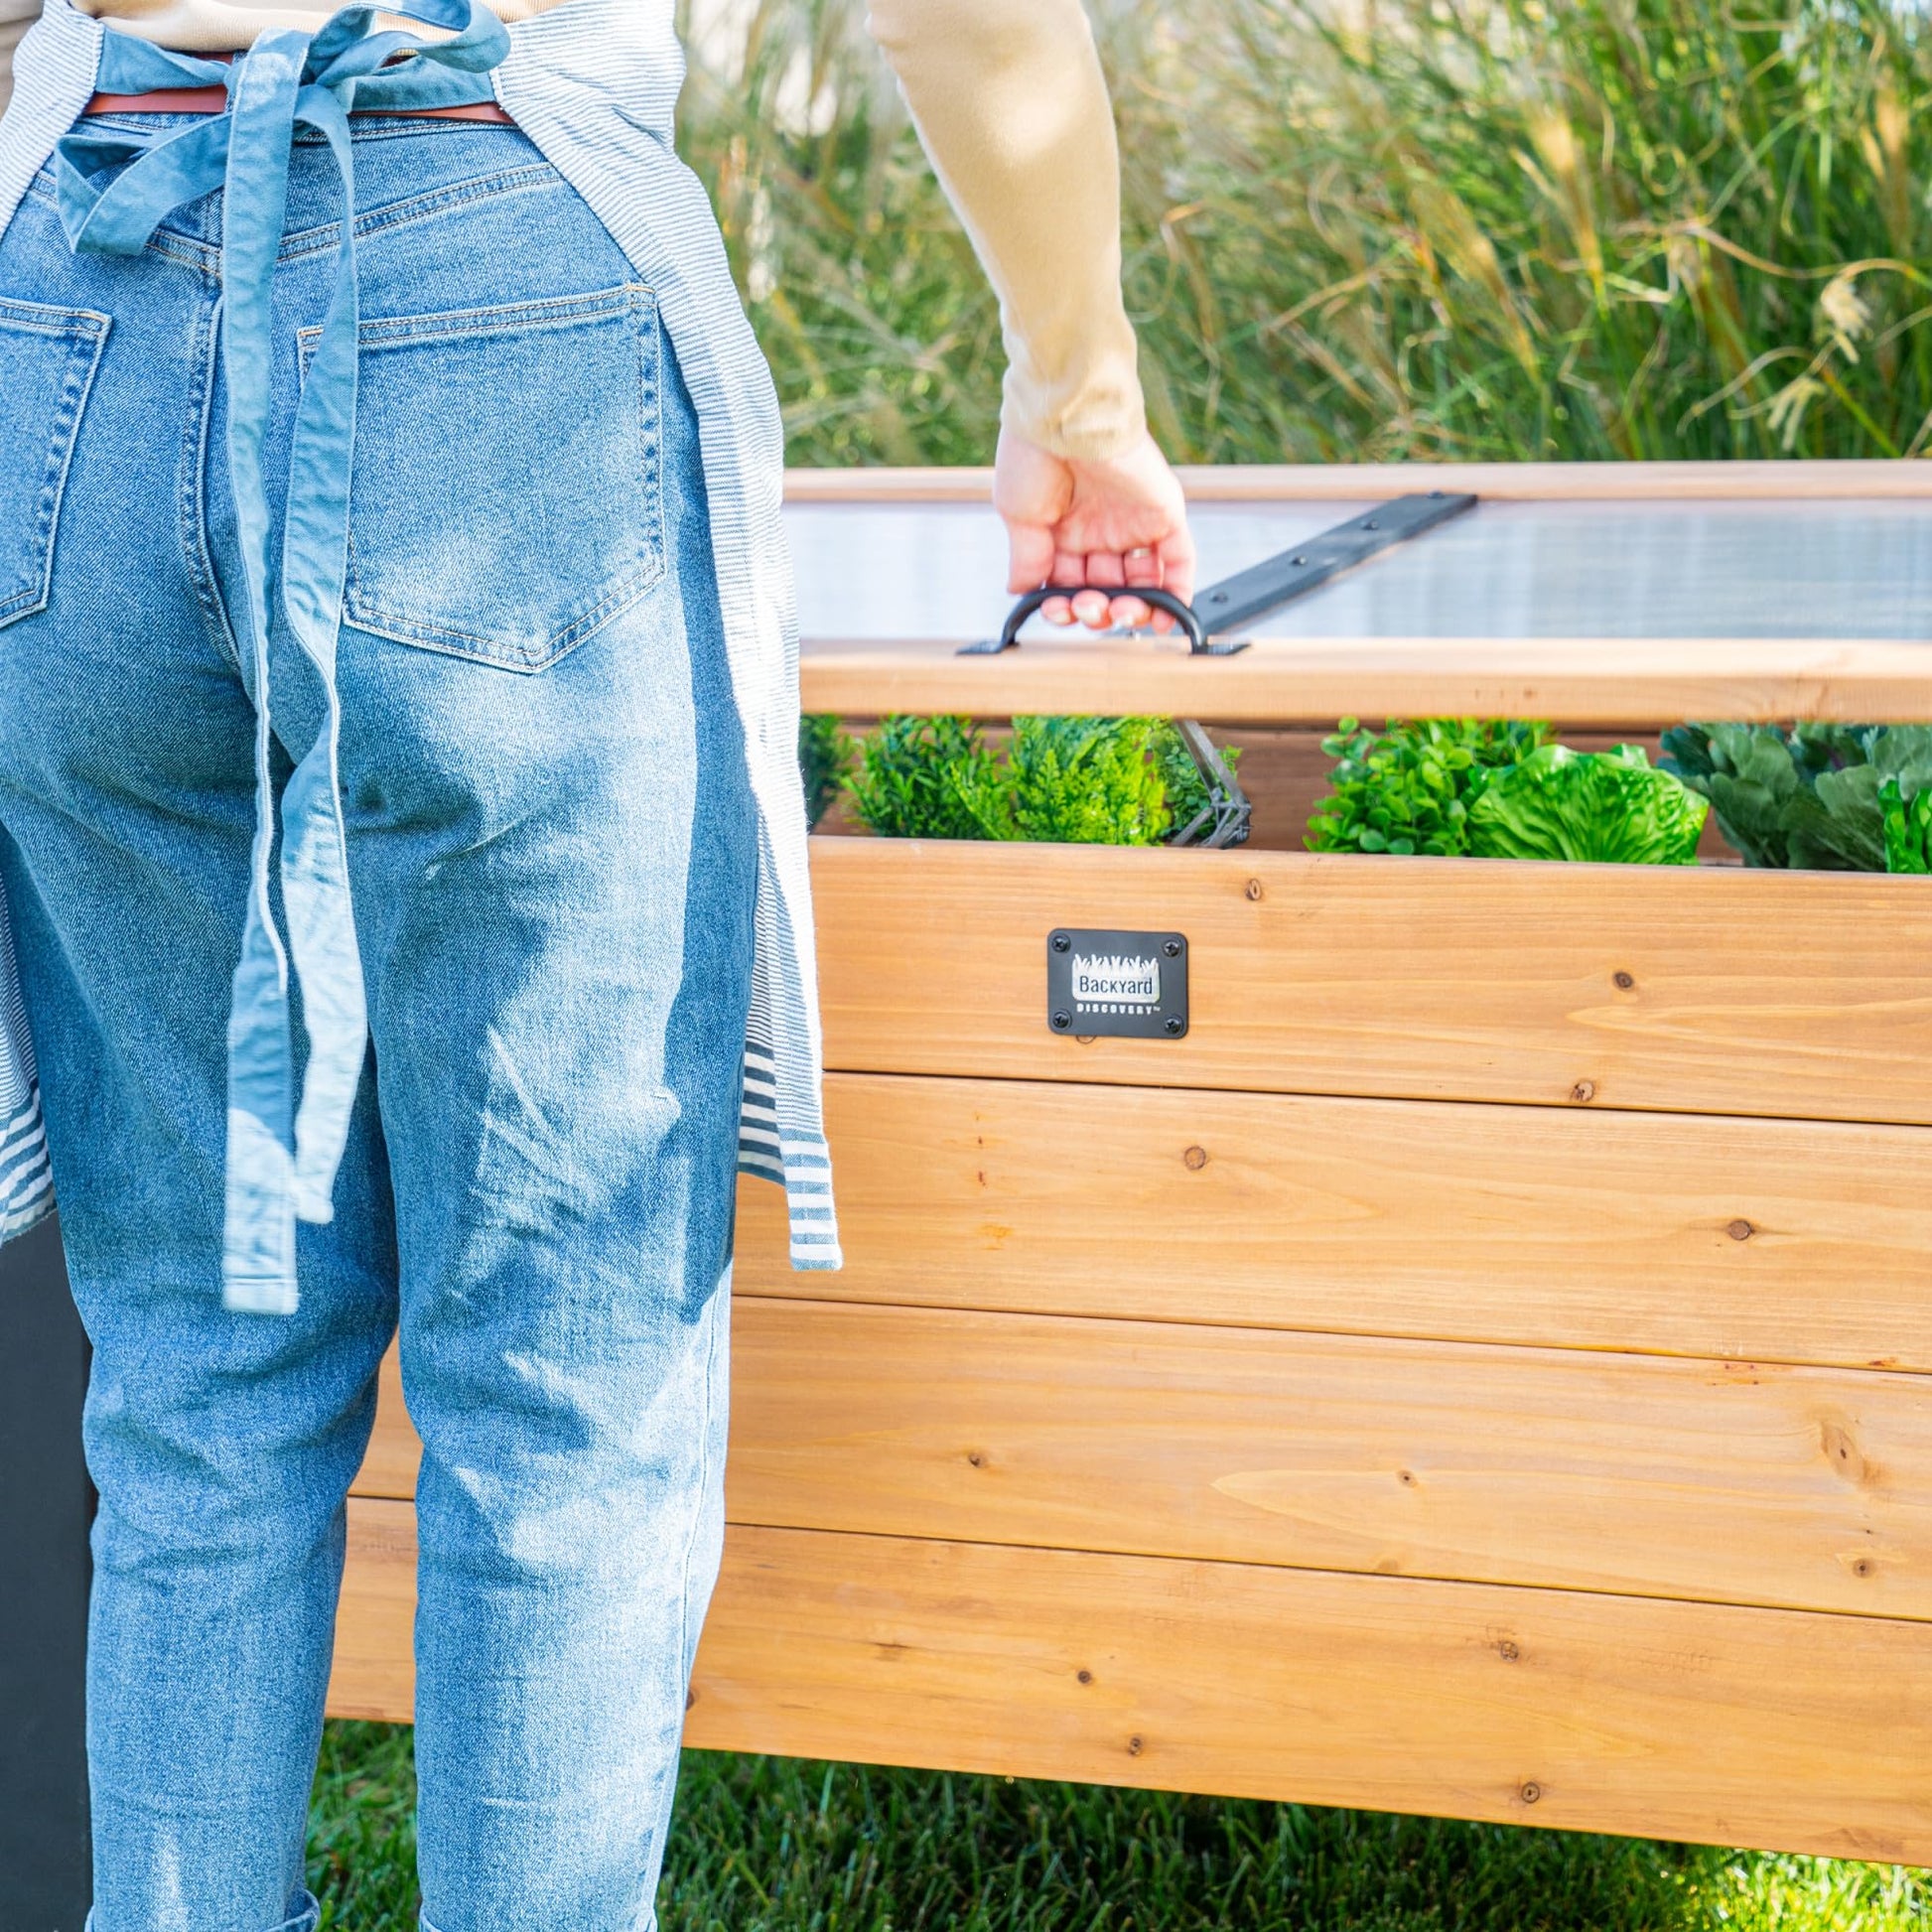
1115, 525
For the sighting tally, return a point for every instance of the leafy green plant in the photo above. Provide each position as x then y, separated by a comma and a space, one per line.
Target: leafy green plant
1607, 807
1087, 781
1070, 780
1407, 788
1808, 799
824, 758
1908, 827
923, 778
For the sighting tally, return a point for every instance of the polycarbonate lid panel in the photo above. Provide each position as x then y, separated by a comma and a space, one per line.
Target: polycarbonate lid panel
1509, 569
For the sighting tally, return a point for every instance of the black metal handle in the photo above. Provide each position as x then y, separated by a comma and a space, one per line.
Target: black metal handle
1177, 607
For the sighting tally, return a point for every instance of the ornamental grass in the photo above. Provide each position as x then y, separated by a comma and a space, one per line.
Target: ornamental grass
1465, 229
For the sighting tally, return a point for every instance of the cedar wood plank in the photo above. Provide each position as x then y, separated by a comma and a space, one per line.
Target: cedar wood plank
1727, 1481
1575, 1227
1782, 1728
1684, 989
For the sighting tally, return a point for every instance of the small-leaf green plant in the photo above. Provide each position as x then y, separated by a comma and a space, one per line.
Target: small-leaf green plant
1408, 787
1086, 781
923, 778
825, 756
1071, 780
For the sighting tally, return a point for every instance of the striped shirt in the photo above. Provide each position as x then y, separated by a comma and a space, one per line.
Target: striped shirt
593, 83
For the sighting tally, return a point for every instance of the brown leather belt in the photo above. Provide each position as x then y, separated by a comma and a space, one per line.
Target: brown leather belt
214, 101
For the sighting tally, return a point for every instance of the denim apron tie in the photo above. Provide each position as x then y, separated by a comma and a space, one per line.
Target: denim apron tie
116, 187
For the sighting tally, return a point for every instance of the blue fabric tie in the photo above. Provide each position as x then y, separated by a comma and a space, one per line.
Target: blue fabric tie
116, 187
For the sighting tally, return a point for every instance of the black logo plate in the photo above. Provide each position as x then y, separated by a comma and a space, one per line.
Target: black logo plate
1121, 983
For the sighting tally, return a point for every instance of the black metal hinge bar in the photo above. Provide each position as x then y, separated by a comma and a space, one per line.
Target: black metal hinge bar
1242, 598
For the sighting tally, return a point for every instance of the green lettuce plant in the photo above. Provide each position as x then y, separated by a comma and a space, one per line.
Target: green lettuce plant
1908, 827
1607, 807
1407, 788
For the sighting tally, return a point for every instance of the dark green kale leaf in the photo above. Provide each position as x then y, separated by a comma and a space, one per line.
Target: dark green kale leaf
1807, 799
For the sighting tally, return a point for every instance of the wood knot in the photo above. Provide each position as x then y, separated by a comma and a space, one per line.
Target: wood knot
1844, 1455
1532, 1792
1862, 1567
1740, 1230
977, 1457
1407, 1477
1195, 1158
1134, 1748
1085, 1676
1625, 981
690, 1698
1584, 1091
1254, 888
1507, 1650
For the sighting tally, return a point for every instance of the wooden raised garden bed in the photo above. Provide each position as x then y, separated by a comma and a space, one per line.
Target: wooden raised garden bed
1483, 1367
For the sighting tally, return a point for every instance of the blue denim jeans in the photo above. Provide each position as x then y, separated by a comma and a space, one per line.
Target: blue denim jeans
552, 854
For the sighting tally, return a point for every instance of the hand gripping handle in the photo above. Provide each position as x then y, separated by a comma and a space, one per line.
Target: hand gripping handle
1179, 609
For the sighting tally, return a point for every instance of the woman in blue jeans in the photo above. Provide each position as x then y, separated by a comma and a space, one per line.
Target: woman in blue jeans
404, 861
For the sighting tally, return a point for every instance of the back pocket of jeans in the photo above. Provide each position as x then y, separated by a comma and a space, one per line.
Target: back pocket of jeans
505, 499
48, 360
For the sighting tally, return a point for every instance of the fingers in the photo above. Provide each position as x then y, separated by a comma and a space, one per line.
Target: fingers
1104, 571
1070, 567
1141, 569
1177, 556
1030, 556
1034, 559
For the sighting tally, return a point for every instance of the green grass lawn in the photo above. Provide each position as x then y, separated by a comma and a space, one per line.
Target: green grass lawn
775, 1845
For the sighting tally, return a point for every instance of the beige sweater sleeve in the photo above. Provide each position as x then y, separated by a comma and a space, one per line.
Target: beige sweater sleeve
1010, 102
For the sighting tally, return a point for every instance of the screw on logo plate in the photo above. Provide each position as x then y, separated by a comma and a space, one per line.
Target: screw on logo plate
1061, 942
1062, 1021
1172, 947
1173, 1024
